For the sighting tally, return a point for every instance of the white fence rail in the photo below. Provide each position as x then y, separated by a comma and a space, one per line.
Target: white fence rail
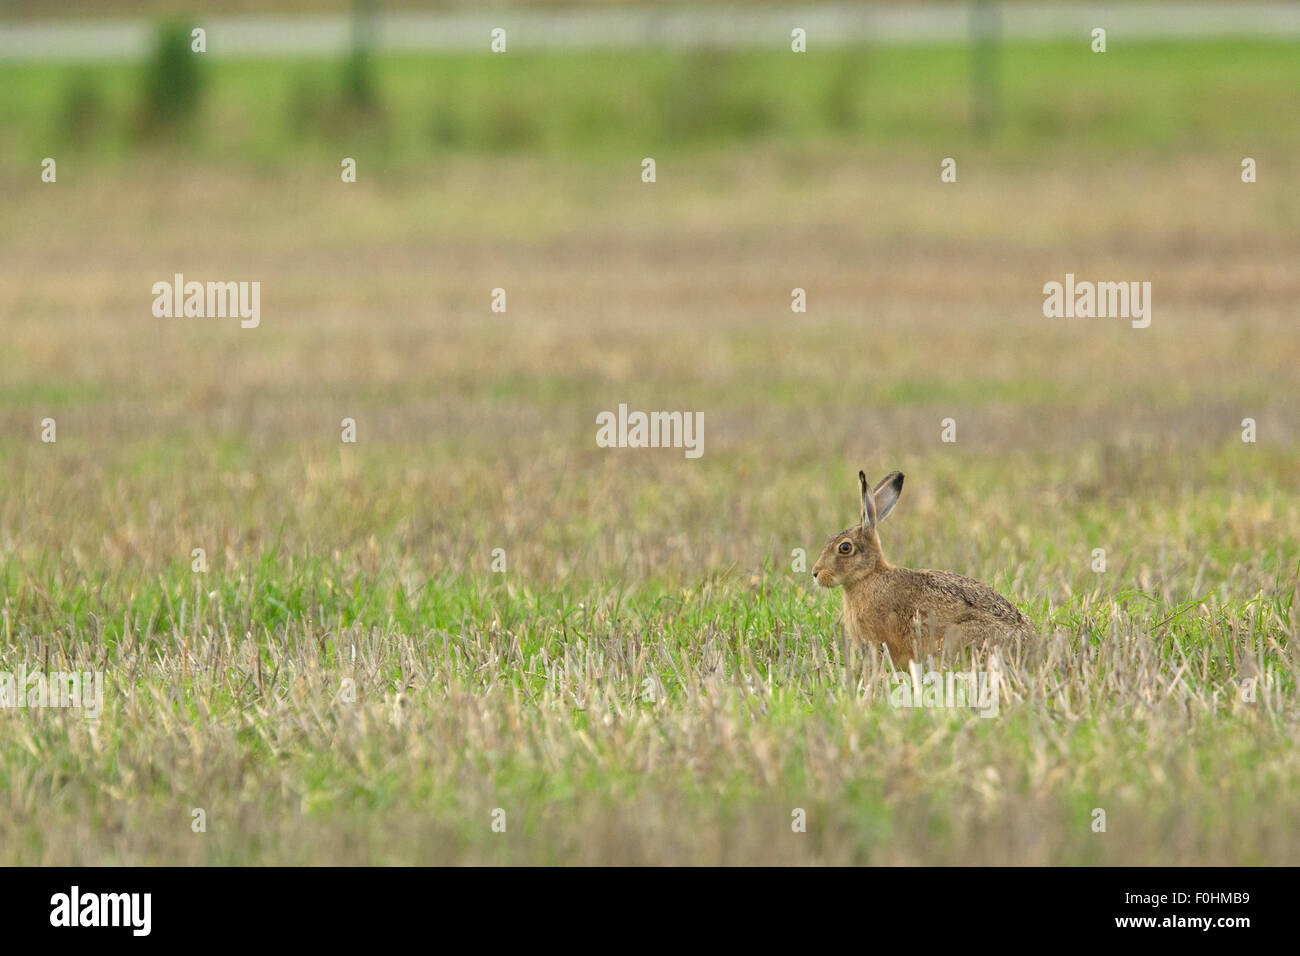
743, 27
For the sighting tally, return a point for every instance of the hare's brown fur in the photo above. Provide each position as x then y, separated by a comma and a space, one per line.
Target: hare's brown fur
911, 612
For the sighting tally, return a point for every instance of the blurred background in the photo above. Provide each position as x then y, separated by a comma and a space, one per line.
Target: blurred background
776, 170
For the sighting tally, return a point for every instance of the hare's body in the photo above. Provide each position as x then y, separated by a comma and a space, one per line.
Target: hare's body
908, 611
911, 611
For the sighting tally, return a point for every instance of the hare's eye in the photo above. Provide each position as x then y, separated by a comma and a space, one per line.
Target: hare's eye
846, 547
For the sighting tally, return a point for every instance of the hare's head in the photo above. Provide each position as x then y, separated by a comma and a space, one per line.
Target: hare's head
855, 553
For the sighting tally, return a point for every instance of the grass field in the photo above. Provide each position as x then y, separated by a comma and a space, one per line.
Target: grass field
651, 679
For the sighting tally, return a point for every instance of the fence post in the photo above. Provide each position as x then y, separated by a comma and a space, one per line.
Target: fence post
986, 65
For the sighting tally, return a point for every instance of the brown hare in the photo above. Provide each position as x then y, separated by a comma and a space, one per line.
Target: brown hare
910, 612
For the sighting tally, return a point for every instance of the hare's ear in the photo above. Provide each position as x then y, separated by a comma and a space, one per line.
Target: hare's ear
868, 502
886, 494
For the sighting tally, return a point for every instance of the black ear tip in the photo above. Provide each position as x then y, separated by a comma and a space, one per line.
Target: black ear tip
862, 476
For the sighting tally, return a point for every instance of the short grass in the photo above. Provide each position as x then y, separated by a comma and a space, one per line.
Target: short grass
651, 678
